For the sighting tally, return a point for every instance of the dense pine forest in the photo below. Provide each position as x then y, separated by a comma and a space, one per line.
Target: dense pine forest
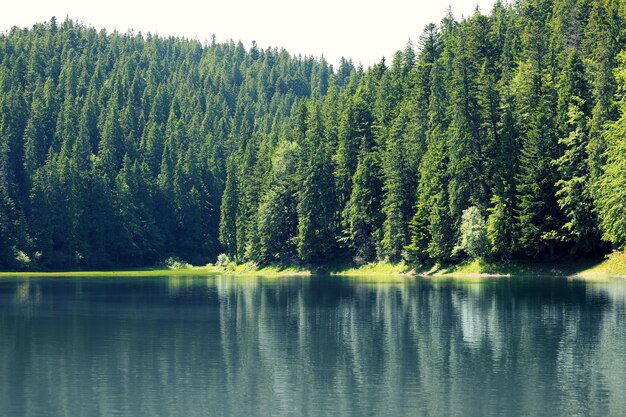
500, 135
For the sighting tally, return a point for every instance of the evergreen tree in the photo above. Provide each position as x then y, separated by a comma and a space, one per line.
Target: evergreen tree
538, 215
574, 193
228, 222
278, 218
363, 211
40, 127
355, 127
396, 200
432, 209
317, 205
124, 149
610, 190
601, 44
7, 230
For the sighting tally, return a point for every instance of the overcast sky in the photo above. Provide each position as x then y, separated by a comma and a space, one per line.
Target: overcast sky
363, 30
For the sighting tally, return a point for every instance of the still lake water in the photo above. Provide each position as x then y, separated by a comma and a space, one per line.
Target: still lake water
321, 346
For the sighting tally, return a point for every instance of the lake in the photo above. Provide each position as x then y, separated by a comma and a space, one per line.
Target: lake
311, 346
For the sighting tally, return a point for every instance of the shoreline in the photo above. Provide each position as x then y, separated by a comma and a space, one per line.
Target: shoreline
613, 266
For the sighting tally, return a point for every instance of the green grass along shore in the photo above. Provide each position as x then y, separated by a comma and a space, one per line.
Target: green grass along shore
613, 265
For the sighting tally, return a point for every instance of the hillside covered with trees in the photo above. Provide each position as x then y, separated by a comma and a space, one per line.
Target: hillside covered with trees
500, 135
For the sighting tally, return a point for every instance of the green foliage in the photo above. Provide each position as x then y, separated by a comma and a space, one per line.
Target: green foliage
473, 233
396, 199
538, 212
316, 240
609, 190
574, 194
7, 229
355, 128
277, 216
363, 210
176, 263
611, 187
115, 146
228, 228
124, 149
440, 229
222, 260
500, 228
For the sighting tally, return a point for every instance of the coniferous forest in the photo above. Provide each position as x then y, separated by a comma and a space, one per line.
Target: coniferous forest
499, 135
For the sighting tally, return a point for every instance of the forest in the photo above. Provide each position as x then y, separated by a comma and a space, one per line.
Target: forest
501, 135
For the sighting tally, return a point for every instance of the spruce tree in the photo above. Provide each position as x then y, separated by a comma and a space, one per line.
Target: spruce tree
316, 242
395, 189
230, 201
363, 211
539, 218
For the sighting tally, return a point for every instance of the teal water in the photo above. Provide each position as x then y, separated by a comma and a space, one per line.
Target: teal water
241, 346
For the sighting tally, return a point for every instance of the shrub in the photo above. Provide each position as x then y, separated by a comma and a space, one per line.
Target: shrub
176, 263
222, 260
473, 239
22, 260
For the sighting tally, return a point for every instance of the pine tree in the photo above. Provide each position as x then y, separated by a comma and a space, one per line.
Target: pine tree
610, 189
440, 228
7, 229
363, 211
539, 217
317, 200
40, 127
574, 192
499, 227
432, 208
111, 148
355, 127
501, 222
396, 201
278, 218
467, 144
601, 45
228, 222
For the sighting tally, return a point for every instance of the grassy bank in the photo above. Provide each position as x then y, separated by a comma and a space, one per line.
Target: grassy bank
269, 270
613, 265
232, 269
370, 269
148, 272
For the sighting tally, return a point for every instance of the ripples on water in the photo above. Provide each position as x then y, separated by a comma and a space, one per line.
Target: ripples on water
240, 346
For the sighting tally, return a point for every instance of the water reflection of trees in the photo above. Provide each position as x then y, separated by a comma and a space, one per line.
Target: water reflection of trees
312, 347
435, 347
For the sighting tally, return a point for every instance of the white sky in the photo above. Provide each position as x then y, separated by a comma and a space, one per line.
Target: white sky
363, 30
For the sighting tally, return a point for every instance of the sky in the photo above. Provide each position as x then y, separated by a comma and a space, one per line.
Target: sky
362, 30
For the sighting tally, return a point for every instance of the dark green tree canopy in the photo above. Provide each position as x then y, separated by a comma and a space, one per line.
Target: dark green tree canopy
124, 149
